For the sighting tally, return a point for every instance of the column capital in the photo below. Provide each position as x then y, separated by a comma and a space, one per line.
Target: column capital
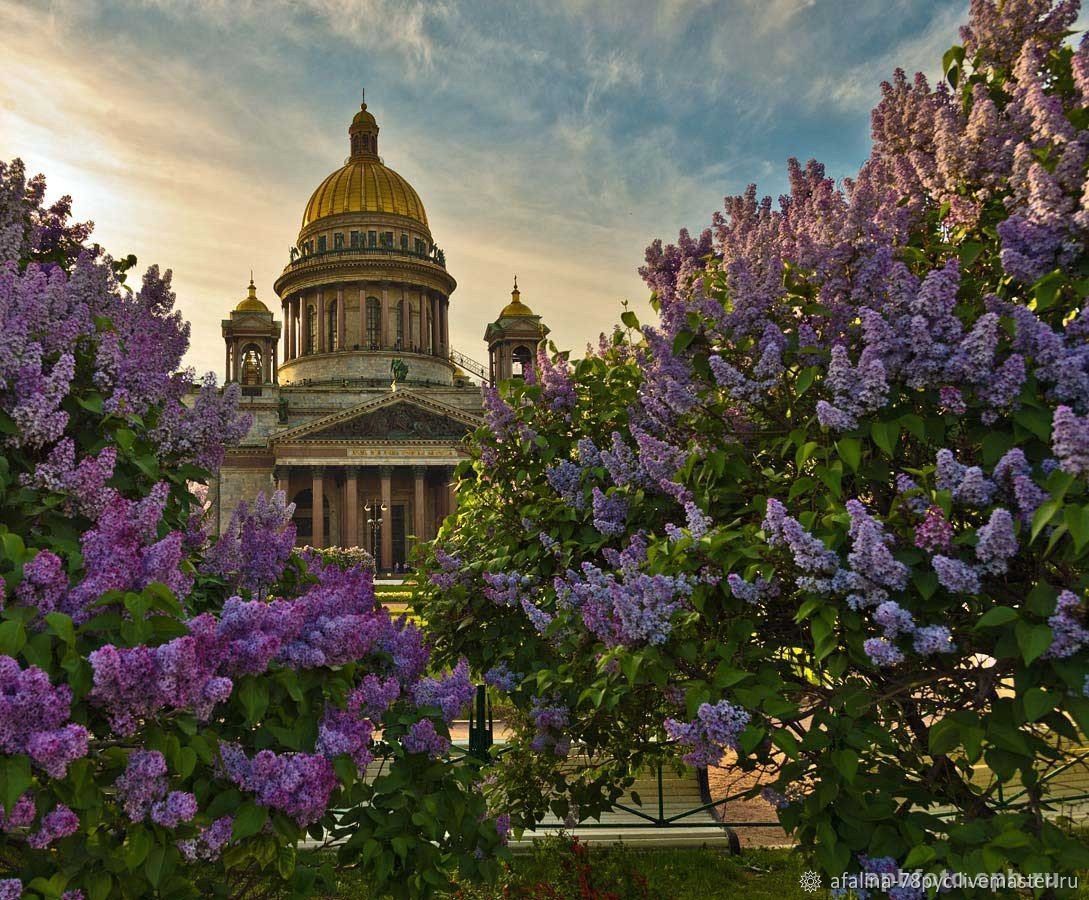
419, 471
385, 471
353, 471
317, 471
280, 471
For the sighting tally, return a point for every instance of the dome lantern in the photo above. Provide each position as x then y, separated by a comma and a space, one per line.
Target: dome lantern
363, 133
514, 339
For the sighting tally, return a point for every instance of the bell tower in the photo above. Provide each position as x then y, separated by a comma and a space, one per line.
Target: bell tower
251, 335
513, 339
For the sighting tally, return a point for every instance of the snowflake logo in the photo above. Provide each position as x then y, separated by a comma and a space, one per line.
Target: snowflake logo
810, 882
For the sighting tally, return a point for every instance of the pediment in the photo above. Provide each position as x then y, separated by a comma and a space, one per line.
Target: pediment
397, 418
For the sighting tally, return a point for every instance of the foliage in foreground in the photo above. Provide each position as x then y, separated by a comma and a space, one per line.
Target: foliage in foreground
830, 514
177, 715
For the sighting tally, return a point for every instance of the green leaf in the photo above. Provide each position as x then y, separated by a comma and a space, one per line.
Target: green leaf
1037, 702
630, 319
1043, 515
254, 697
885, 435
15, 778
1033, 640
249, 820
12, 637
1077, 523
61, 625
136, 848
998, 615
155, 866
846, 763
125, 438
944, 736
850, 451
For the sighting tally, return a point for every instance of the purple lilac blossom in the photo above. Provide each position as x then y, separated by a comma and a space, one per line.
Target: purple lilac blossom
1068, 633
715, 729
423, 738
34, 719
297, 784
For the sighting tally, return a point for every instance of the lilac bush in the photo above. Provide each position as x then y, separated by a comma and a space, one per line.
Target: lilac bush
165, 698
852, 453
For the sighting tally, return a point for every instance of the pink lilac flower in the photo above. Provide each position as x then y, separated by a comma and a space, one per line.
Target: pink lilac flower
10, 889
935, 532
715, 729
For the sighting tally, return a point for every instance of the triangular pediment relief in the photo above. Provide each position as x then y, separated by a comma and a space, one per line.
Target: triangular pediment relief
400, 416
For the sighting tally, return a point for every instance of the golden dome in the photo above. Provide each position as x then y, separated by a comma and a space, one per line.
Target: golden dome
516, 308
364, 185
250, 303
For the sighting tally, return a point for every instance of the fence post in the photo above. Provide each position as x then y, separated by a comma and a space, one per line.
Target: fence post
480, 725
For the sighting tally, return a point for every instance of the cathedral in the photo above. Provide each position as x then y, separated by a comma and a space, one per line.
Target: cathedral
360, 406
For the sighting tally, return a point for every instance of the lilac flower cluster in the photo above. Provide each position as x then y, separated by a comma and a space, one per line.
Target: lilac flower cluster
56, 824
45, 583
254, 548
871, 560
550, 721
565, 478
1069, 635
755, 592
997, 542
507, 588
22, 814
345, 732
450, 567
967, 484
809, 553
628, 607
451, 693
935, 532
144, 793
557, 386
34, 719
610, 512
210, 842
83, 483
297, 784
500, 676
123, 552
1070, 440
422, 737
715, 729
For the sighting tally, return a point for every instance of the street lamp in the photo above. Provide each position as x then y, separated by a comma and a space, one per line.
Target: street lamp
374, 511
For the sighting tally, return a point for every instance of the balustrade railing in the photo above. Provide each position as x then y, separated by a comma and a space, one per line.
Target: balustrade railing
435, 258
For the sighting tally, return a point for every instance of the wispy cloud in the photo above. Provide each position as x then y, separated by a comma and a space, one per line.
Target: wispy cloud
554, 139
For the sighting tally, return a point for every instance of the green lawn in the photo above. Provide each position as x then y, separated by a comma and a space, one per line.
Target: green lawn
551, 871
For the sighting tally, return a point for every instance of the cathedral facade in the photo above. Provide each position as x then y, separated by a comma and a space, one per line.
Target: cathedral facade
360, 405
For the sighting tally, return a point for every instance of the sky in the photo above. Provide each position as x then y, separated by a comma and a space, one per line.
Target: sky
553, 140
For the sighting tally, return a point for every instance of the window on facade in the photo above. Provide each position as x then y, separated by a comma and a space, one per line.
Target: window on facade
338, 241
400, 324
387, 238
311, 330
331, 328
404, 241
372, 238
374, 321
354, 237
421, 246
322, 244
